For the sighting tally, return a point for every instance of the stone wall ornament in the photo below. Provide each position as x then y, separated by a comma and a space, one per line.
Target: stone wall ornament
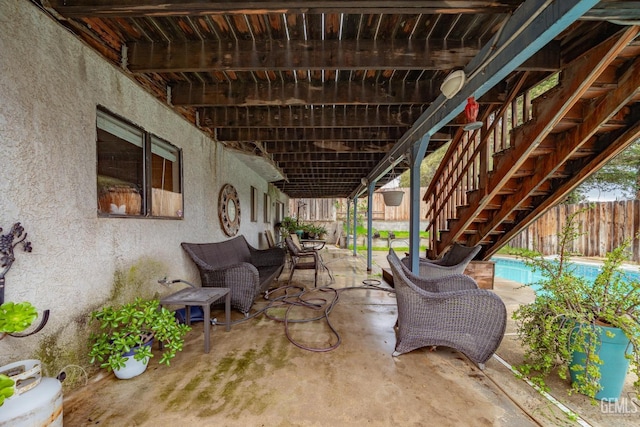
229, 210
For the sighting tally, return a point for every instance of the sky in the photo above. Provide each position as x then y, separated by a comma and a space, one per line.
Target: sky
605, 196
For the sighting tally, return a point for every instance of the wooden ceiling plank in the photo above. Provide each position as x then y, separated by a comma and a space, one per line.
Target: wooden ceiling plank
321, 117
329, 147
287, 55
302, 93
158, 8
310, 134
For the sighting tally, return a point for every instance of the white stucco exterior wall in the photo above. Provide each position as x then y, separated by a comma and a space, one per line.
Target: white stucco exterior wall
50, 86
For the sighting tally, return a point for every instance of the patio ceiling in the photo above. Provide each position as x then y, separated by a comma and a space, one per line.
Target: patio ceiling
312, 94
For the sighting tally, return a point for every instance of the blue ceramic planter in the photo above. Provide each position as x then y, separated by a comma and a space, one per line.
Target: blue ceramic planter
615, 365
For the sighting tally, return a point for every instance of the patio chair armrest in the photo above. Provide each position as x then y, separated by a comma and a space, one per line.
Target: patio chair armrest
267, 257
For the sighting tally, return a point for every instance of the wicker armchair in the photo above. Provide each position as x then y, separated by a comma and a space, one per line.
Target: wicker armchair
454, 261
305, 259
449, 311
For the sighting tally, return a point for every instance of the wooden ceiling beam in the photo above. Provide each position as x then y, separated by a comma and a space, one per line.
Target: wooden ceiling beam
605, 10
327, 157
159, 8
328, 147
310, 134
352, 170
319, 117
303, 93
288, 55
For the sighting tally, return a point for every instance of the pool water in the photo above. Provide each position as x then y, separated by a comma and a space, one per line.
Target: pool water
517, 270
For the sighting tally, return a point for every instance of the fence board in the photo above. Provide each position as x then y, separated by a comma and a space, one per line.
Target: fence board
606, 226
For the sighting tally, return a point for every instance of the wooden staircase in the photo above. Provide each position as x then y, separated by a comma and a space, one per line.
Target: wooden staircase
532, 152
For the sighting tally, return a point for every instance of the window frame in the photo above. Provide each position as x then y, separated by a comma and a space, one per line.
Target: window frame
267, 208
254, 204
147, 165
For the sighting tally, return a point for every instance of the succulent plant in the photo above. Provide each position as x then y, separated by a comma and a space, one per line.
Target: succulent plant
16, 317
6, 388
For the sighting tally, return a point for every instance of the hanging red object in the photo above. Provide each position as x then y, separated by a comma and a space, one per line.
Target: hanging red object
471, 110
471, 113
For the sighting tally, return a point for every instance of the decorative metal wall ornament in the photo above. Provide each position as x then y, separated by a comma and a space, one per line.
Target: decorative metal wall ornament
8, 243
229, 210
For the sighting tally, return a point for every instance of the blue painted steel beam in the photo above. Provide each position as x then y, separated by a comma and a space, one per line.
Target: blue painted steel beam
355, 224
534, 24
348, 222
417, 154
372, 188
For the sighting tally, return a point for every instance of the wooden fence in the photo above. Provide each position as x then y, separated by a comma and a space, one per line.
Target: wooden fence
336, 209
605, 225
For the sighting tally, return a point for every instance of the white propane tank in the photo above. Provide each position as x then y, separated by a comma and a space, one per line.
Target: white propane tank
36, 401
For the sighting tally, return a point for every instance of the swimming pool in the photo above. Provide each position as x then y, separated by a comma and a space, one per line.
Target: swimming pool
517, 270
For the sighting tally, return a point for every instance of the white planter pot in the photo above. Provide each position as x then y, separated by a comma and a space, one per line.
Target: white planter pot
132, 367
392, 197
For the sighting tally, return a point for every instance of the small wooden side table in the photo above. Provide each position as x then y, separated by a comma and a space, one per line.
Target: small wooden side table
203, 297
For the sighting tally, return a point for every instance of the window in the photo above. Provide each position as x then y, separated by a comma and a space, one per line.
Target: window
139, 174
254, 204
267, 208
279, 212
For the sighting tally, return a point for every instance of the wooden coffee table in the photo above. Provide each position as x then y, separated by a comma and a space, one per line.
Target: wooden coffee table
203, 297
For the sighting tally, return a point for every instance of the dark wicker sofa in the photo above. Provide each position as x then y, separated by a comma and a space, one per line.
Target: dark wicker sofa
235, 264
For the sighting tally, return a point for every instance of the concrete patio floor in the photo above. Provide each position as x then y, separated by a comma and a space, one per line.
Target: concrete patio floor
255, 376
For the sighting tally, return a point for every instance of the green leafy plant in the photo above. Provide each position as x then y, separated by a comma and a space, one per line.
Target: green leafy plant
288, 225
567, 308
16, 317
321, 231
6, 388
132, 325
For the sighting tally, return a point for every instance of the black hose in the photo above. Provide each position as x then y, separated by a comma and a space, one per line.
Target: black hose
297, 296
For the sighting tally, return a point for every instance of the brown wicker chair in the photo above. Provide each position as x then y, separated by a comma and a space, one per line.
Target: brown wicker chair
454, 261
305, 259
449, 311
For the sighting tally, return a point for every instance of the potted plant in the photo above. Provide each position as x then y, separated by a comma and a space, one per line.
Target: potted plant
311, 231
288, 225
588, 330
126, 333
321, 232
13, 318
16, 317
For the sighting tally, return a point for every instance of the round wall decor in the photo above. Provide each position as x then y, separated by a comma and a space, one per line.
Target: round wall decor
229, 210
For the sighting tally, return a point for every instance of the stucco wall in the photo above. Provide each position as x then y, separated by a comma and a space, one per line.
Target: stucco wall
50, 85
